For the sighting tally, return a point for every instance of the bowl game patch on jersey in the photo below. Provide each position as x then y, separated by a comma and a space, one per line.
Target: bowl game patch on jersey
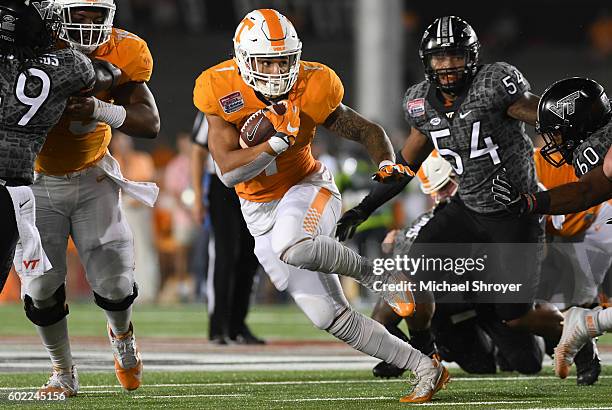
232, 102
416, 107
317, 93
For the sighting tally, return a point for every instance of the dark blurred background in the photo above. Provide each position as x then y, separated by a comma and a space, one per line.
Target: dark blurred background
545, 39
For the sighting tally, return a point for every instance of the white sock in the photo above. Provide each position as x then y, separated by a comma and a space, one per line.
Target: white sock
604, 320
55, 340
119, 321
370, 337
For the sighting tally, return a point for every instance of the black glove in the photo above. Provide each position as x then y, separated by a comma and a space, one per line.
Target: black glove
506, 194
348, 223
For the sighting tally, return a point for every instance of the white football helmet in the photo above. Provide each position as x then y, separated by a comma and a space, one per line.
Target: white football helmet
435, 172
265, 34
87, 37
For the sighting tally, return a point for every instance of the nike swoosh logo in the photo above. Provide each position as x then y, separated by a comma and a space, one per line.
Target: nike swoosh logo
464, 114
23, 204
292, 129
251, 135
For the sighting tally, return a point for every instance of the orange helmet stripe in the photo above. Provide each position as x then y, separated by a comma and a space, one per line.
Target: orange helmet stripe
423, 178
277, 36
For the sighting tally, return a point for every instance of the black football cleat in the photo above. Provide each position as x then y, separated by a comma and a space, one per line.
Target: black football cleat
587, 363
386, 370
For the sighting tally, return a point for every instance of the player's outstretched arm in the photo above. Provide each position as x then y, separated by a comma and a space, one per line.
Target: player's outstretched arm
347, 123
416, 149
525, 108
593, 188
235, 164
142, 116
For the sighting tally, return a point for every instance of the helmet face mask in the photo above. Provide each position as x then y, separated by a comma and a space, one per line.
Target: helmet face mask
450, 39
569, 111
87, 24
267, 52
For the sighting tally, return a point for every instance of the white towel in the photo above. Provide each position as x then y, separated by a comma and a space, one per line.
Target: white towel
145, 192
30, 258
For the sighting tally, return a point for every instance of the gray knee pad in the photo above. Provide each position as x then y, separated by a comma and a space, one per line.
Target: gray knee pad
318, 309
54, 310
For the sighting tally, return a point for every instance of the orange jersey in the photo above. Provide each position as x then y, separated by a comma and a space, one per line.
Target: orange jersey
552, 177
76, 145
318, 91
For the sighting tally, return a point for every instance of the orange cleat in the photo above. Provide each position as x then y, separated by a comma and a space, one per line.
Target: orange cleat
128, 363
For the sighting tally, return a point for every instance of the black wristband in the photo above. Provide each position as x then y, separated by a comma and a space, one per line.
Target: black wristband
541, 202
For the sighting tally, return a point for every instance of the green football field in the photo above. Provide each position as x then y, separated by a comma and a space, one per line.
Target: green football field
261, 389
312, 390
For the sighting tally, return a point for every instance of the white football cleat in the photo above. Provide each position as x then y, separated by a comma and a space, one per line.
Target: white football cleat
128, 364
579, 326
431, 376
61, 382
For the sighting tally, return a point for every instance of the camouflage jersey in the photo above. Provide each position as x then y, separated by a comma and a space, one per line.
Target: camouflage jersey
591, 153
33, 102
406, 236
476, 135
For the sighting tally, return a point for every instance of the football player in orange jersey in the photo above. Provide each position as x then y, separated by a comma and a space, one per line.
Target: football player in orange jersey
77, 191
288, 199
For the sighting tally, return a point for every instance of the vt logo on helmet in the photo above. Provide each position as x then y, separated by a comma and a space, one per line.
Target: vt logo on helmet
267, 51
31, 25
569, 111
449, 52
87, 23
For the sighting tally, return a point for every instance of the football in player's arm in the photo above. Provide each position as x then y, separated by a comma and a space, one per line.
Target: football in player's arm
577, 130
343, 121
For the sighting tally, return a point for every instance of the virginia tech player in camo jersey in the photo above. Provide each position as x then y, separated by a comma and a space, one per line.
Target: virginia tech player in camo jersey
289, 200
575, 119
474, 116
36, 83
78, 188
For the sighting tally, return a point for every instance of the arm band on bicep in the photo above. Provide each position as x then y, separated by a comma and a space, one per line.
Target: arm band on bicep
381, 193
246, 171
111, 114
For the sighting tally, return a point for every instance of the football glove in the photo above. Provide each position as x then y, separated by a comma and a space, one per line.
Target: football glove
348, 223
505, 193
389, 172
285, 118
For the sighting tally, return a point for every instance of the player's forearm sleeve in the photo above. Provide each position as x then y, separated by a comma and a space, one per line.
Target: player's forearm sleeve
246, 171
381, 193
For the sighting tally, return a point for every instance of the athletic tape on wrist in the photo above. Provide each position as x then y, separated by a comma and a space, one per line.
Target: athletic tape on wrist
111, 114
278, 144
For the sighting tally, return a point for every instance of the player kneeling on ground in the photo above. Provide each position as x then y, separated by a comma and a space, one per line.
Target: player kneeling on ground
468, 334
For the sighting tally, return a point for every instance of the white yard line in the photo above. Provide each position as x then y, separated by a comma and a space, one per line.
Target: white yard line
306, 382
186, 396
